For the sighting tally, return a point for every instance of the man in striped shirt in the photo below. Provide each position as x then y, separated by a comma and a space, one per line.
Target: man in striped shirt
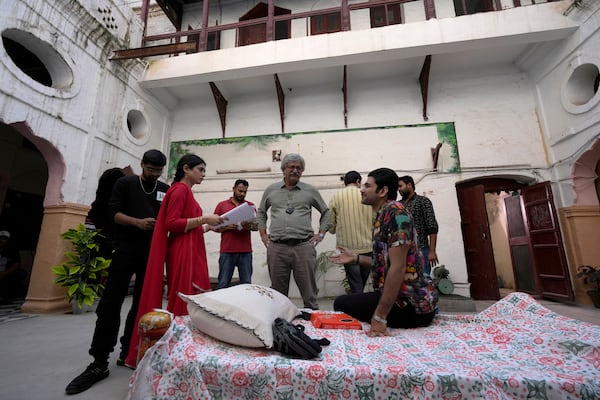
351, 222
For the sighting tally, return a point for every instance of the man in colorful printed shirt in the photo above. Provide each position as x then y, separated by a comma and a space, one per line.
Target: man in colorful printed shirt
421, 210
403, 296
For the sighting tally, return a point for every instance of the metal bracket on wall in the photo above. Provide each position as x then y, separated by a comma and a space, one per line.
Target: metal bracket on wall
345, 91
280, 100
424, 82
221, 103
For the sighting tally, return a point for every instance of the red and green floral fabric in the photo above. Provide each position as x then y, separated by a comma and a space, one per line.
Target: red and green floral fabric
515, 349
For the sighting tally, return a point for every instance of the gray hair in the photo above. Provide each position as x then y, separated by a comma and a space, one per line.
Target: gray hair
291, 157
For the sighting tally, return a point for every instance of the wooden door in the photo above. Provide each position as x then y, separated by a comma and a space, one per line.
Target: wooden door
546, 242
520, 249
252, 34
481, 267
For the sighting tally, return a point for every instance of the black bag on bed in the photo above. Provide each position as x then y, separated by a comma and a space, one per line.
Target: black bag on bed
290, 339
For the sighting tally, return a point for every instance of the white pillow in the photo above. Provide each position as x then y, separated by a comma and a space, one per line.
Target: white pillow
242, 315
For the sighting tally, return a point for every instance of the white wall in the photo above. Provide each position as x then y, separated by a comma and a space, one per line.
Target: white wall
569, 130
87, 121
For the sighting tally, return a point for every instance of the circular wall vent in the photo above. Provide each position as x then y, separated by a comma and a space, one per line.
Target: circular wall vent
580, 88
37, 59
137, 125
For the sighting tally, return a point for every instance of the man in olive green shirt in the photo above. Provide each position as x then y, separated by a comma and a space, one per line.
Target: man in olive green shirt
291, 239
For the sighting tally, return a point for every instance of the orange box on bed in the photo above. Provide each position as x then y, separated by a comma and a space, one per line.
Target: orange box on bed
334, 321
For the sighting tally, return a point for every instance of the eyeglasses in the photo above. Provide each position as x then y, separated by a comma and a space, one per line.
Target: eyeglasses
293, 167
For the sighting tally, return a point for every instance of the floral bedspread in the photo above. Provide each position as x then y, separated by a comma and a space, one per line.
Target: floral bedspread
515, 349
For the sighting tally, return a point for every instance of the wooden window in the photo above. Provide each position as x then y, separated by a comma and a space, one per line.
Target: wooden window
326, 23
213, 41
258, 33
467, 7
388, 14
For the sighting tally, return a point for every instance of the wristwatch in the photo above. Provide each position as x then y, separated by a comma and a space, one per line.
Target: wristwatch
321, 235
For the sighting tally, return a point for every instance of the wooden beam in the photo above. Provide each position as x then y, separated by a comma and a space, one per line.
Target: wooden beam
173, 9
281, 101
144, 16
345, 16
429, 9
424, 82
345, 92
204, 34
174, 48
270, 28
221, 103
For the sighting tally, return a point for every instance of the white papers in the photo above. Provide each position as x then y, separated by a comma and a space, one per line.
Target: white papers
243, 212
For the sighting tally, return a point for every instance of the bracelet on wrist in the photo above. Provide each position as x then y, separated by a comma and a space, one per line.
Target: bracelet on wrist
199, 220
379, 319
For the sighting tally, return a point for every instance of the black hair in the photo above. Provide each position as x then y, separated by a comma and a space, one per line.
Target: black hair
99, 210
242, 181
408, 180
191, 160
154, 157
386, 177
351, 177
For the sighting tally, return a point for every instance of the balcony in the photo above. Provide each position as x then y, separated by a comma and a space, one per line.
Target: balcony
271, 46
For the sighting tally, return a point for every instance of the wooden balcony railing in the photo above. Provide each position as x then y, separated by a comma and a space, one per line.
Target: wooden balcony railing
197, 40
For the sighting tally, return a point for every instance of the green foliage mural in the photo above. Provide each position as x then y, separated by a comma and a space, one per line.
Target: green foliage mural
446, 134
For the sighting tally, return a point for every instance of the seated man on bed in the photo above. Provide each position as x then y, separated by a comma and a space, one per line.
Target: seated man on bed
403, 296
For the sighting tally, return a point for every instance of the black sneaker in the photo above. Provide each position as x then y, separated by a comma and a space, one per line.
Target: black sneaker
92, 374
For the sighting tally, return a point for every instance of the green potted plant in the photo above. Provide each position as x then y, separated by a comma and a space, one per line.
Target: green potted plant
323, 265
591, 276
83, 271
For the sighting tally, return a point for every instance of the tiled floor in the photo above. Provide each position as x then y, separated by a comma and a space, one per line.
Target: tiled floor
41, 354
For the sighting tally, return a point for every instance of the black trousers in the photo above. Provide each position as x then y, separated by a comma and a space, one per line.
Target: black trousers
126, 262
362, 306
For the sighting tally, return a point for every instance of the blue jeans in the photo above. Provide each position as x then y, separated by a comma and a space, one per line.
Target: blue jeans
228, 262
426, 265
357, 276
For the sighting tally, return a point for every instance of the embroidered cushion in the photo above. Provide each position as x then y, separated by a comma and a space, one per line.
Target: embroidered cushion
242, 315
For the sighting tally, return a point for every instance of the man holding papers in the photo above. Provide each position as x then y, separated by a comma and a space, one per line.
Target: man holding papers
236, 246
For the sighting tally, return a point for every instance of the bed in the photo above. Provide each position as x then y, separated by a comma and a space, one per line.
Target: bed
515, 349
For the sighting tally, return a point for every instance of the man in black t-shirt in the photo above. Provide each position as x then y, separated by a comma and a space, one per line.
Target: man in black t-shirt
133, 206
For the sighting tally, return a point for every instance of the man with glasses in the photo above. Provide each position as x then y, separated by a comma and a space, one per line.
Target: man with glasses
291, 239
133, 206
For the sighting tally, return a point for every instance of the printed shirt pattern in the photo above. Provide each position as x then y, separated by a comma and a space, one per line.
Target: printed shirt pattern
394, 226
421, 209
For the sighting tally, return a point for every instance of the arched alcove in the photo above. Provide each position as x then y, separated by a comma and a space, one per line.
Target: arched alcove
585, 176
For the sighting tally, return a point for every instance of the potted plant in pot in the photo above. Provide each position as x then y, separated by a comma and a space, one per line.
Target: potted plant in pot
83, 271
591, 276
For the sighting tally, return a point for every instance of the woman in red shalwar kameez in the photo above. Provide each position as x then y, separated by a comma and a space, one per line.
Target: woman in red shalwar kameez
178, 240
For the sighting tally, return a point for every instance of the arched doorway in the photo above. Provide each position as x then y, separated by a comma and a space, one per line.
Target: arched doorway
512, 238
23, 181
31, 177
